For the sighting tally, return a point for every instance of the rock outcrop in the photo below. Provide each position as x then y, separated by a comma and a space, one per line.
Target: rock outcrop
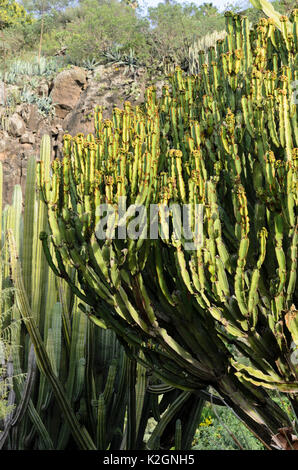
108, 87
16, 125
66, 90
75, 93
13, 157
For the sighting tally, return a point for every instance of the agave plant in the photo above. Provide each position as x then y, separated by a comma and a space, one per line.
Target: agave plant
90, 63
44, 103
116, 57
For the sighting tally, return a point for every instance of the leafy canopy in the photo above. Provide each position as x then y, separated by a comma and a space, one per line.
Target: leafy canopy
13, 14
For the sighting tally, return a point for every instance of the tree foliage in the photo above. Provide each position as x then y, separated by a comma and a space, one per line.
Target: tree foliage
12, 14
39, 7
91, 28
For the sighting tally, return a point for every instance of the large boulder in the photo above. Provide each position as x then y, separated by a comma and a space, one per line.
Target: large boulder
66, 90
27, 138
5, 141
16, 125
31, 116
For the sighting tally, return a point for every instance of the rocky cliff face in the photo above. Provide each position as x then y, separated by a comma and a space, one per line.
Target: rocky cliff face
75, 92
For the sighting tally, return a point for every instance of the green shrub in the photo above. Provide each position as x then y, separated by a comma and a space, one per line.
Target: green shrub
214, 432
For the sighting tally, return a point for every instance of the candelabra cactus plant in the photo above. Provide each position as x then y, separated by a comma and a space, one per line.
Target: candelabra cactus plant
224, 312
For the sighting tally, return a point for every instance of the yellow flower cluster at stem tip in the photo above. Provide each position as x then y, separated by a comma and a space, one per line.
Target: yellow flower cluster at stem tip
207, 422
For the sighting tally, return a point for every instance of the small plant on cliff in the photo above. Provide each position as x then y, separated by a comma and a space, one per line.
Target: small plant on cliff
44, 103
90, 63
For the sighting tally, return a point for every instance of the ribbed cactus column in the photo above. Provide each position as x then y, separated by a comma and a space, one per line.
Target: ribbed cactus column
224, 312
1, 186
